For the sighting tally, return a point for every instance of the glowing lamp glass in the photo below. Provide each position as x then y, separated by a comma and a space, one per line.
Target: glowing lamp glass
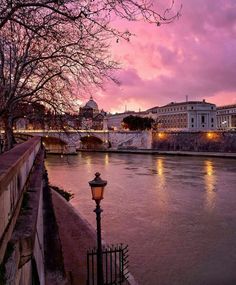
97, 187
97, 193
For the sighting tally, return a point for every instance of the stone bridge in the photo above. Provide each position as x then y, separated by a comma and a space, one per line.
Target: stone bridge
68, 142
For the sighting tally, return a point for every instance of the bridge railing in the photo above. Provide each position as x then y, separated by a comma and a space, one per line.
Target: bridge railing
15, 166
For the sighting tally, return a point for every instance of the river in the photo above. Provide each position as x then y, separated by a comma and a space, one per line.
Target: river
177, 214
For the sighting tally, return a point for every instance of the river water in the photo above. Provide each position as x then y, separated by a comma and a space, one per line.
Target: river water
177, 214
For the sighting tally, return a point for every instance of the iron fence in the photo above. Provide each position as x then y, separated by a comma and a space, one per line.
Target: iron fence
115, 265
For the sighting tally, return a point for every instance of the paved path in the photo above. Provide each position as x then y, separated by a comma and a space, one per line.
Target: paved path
76, 237
54, 267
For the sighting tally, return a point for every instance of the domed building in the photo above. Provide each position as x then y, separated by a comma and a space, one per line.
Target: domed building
91, 104
90, 115
90, 110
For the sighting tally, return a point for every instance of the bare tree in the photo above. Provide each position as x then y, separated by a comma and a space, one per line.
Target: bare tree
74, 10
45, 45
34, 69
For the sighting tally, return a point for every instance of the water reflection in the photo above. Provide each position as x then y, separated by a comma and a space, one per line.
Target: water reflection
161, 183
88, 162
106, 159
160, 172
209, 181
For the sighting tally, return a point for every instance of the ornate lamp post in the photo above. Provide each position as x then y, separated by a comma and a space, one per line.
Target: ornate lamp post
97, 187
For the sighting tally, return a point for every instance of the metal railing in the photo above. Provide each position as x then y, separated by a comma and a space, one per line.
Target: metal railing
115, 265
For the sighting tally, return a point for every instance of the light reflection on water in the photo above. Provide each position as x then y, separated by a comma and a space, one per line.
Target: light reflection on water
160, 183
177, 214
210, 181
106, 159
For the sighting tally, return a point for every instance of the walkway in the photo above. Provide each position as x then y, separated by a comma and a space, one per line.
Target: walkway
77, 236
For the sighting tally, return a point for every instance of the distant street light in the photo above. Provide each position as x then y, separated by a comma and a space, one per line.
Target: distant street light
97, 188
224, 124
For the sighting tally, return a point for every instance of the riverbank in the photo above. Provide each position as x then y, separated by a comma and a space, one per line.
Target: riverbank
77, 236
162, 152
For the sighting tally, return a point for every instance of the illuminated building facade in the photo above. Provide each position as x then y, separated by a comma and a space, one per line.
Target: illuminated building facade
114, 121
226, 117
185, 116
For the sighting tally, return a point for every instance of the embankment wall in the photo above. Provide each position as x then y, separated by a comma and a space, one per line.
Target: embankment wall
194, 141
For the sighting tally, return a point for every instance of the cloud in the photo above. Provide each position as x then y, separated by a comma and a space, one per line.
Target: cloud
195, 55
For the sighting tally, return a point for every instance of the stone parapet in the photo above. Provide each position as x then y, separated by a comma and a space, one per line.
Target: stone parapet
61, 142
15, 166
24, 264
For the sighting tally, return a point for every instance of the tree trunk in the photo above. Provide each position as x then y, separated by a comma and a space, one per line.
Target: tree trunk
8, 128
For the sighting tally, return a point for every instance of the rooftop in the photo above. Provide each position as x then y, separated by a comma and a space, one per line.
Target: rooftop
227, 106
91, 104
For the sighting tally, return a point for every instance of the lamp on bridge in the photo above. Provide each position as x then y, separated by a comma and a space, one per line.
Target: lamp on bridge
97, 188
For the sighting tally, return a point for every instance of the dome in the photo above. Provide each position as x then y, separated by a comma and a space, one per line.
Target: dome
91, 104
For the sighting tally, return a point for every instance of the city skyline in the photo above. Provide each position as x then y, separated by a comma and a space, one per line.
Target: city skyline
193, 56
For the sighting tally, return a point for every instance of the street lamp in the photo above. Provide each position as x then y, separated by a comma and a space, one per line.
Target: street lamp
97, 188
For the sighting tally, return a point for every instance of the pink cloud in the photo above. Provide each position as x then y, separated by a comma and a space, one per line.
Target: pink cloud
195, 55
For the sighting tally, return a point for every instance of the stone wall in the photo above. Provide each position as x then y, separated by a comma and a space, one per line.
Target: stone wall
15, 166
21, 232
126, 139
194, 141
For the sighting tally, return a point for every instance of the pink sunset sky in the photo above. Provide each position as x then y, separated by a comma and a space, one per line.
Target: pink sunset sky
194, 56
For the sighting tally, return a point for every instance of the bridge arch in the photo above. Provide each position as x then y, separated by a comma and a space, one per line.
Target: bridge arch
54, 144
92, 142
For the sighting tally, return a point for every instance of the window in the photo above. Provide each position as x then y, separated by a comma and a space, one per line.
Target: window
192, 126
192, 107
203, 119
192, 120
212, 120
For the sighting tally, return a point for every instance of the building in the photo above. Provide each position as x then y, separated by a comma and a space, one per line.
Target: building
226, 117
114, 121
91, 117
186, 116
90, 109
